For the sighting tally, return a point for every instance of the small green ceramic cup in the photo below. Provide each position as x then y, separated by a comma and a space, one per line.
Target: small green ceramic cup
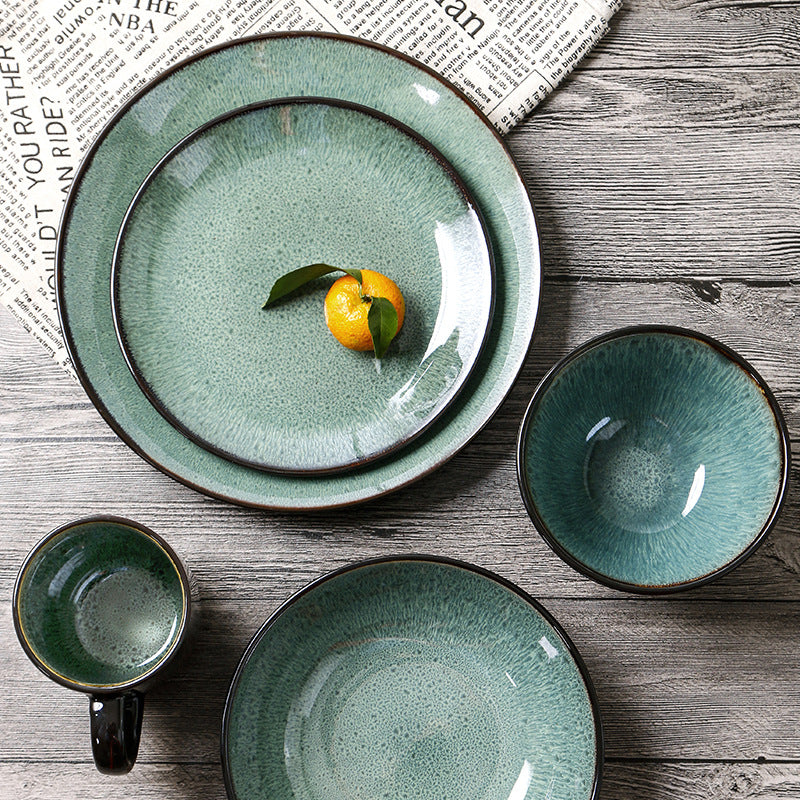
102, 605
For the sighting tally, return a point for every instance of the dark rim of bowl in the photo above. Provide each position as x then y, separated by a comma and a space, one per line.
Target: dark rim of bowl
151, 393
145, 678
66, 214
414, 558
585, 569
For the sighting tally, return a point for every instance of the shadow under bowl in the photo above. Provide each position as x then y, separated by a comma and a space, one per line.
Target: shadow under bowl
653, 459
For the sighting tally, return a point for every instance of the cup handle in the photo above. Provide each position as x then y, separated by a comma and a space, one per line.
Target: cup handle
116, 724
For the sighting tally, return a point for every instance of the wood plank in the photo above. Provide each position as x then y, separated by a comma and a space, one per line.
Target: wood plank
673, 175
37, 780
470, 508
692, 781
689, 680
726, 102
753, 317
689, 781
675, 679
652, 34
667, 173
654, 781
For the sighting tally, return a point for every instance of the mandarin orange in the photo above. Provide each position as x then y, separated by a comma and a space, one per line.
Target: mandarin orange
347, 305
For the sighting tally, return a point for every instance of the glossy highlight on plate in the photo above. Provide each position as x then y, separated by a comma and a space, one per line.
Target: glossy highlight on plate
273, 186
411, 677
233, 75
653, 459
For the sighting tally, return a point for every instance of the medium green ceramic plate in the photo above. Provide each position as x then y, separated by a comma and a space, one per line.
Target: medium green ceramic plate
234, 75
271, 188
413, 678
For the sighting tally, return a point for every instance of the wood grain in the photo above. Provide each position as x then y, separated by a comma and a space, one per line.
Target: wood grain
633, 175
657, 34
693, 781
675, 680
647, 781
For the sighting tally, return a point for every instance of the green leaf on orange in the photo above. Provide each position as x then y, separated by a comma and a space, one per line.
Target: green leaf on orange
293, 280
382, 321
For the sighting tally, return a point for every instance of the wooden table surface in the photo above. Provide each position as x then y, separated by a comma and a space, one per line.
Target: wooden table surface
666, 178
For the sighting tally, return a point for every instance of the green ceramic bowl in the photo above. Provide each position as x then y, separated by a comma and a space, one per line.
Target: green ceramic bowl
411, 677
653, 459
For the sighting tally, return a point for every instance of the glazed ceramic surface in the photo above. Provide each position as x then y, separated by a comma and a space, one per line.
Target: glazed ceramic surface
653, 458
276, 187
232, 76
100, 604
410, 678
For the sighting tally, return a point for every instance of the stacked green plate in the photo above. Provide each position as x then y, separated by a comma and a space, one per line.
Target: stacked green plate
275, 187
232, 76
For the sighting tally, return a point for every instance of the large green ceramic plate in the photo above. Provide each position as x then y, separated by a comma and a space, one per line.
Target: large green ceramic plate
274, 187
237, 74
411, 678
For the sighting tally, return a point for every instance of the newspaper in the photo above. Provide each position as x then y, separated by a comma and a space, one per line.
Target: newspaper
67, 65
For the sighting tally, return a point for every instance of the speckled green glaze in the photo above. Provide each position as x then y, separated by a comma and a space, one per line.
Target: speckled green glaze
227, 78
99, 604
651, 459
413, 679
273, 188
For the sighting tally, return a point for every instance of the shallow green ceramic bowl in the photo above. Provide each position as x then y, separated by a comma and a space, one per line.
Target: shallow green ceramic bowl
653, 459
411, 677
